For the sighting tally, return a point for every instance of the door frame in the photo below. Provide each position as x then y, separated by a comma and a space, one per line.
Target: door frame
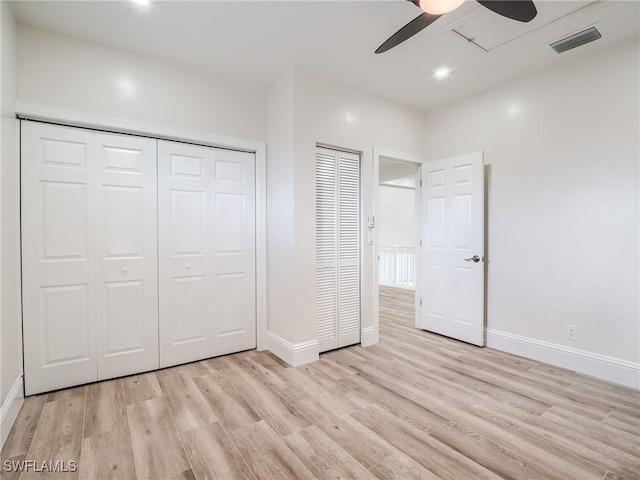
49, 114
401, 157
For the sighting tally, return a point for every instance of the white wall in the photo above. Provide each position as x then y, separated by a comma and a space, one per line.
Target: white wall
562, 146
396, 222
77, 75
10, 311
280, 205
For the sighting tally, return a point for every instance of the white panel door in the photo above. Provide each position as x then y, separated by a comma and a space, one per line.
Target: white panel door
184, 233
337, 248
126, 254
233, 259
453, 248
58, 257
206, 202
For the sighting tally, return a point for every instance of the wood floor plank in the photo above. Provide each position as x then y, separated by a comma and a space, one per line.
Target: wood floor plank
502, 429
588, 457
107, 456
67, 393
198, 369
433, 455
165, 372
157, 449
544, 396
213, 455
623, 422
603, 401
186, 403
604, 433
23, 429
272, 372
279, 413
105, 408
401, 467
361, 443
420, 387
493, 390
139, 388
226, 402
58, 436
492, 455
186, 475
324, 457
267, 455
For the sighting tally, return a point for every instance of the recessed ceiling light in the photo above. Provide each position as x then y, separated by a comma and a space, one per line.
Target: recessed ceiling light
142, 3
441, 73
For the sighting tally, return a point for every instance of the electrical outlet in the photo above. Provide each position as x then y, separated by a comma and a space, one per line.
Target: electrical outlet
572, 332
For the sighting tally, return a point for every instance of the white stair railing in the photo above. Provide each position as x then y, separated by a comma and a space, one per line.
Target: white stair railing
397, 267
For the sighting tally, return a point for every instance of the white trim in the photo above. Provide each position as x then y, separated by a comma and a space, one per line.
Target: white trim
369, 336
607, 368
294, 354
45, 113
10, 408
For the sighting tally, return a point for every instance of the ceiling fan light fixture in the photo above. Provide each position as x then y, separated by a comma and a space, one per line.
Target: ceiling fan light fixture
439, 7
442, 73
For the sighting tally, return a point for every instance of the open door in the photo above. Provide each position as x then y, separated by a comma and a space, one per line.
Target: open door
452, 248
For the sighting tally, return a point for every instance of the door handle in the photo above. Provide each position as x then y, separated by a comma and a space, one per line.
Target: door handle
475, 259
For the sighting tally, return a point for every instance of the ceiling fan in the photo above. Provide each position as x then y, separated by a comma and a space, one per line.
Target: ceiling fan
520, 10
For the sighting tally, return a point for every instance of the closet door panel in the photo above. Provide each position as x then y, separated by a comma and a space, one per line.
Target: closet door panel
126, 247
326, 249
58, 257
349, 249
233, 247
184, 203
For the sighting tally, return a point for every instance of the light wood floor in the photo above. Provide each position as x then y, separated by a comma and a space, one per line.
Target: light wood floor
416, 406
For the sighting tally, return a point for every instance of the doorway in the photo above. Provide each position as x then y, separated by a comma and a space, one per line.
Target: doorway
397, 237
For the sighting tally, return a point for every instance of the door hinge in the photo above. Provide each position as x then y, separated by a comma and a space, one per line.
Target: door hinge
420, 302
420, 242
420, 182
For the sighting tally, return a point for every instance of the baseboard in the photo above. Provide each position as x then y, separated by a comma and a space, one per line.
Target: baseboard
607, 368
10, 408
369, 336
292, 353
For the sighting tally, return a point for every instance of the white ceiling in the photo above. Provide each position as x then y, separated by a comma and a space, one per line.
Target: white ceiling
256, 41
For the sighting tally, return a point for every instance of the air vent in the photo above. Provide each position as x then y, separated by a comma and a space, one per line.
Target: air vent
572, 41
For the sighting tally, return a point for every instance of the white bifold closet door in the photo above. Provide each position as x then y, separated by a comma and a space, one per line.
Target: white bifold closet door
88, 255
337, 248
206, 201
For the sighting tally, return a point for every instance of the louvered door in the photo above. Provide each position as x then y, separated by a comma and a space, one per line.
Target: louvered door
337, 248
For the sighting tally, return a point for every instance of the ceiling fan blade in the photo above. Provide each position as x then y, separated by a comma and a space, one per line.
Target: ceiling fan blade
408, 31
520, 10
